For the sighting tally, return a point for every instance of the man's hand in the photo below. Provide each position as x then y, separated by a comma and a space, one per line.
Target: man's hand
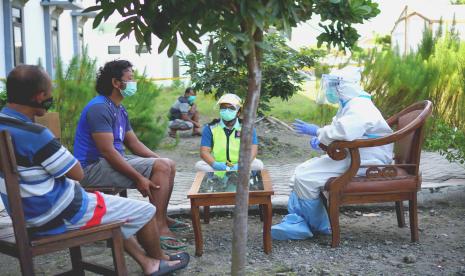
144, 186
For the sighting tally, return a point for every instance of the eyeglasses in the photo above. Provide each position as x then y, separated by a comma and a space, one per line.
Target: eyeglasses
232, 108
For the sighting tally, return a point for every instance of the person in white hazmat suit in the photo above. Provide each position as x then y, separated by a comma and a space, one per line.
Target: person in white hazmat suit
356, 118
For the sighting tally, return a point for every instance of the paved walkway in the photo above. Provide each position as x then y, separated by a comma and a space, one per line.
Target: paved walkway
437, 173
436, 170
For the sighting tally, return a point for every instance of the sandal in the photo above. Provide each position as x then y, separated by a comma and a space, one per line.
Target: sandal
165, 268
166, 245
178, 226
179, 256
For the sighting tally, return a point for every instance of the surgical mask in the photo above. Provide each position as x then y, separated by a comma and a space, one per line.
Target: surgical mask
228, 114
131, 89
191, 99
331, 95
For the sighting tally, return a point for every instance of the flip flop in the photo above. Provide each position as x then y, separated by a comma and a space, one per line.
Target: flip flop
178, 226
165, 268
167, 246
179, 256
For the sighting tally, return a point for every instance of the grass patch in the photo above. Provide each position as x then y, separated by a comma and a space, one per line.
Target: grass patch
301, 107
205, 103
298, 106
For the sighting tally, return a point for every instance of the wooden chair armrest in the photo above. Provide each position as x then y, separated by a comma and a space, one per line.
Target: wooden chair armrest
337, 185
77, 233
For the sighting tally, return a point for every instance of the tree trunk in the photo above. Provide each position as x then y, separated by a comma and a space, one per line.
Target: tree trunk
239, 245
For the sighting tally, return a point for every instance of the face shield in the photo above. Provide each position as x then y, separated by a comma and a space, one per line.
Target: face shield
329, 89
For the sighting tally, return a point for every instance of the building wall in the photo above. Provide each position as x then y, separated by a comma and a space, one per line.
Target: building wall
153, 64
33, 28
415, 29
2, 44
66, 37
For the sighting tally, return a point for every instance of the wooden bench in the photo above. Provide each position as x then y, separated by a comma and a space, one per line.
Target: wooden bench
15, 240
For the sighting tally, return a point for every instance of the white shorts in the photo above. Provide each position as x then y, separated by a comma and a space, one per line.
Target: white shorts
135, 213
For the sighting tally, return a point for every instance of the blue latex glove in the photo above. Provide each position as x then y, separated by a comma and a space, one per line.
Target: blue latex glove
315, 143
219, 166
235, 167
302, 127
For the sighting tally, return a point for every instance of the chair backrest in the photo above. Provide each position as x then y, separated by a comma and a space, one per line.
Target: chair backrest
9, 170
412, 120
50, 120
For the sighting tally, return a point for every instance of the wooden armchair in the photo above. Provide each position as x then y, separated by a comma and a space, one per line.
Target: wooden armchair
15, 241
397, 182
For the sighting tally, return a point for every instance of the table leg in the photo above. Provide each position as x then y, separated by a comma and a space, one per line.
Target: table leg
267, 219
206, 214
195, 214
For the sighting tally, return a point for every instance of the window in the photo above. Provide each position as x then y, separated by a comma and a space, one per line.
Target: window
141, 49
55, 42
17, 18
114, 50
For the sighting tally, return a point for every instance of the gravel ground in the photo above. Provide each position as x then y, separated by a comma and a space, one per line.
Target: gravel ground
372, 244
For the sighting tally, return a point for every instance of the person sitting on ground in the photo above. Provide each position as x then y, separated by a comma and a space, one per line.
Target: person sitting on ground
221, 139
184, 114
357, 118
102, 134
53, 201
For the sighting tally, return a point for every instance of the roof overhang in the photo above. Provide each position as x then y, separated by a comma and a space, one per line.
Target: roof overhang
65, 5
79, 13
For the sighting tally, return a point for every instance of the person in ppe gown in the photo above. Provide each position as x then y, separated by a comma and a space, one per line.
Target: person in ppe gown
356, 118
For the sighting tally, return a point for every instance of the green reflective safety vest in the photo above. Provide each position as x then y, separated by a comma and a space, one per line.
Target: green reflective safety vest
225, 148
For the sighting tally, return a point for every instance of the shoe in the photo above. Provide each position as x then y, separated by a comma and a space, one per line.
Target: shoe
166, 245
165, 268
293, 227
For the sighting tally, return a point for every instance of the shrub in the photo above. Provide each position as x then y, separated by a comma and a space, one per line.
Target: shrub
221, 72
141, 109
75, 87
435, 72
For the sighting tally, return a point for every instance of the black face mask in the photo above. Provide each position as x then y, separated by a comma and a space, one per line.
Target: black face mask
46, 104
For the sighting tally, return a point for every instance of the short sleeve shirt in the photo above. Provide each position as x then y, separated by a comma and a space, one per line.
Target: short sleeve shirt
181, 106
100, 115
42, 164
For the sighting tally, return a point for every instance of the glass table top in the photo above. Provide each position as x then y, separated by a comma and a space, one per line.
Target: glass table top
217, 182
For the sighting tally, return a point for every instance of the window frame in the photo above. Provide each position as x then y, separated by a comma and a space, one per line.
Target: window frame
17, 24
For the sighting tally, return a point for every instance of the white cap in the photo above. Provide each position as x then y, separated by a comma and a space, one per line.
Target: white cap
230, 99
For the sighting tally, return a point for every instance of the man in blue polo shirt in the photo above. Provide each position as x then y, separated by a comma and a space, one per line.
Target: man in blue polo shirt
52, 199
103, 133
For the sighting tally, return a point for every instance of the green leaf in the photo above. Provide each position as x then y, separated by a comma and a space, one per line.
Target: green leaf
97, 20
163, 44
189, 44
92, 9
335, 1
173, 45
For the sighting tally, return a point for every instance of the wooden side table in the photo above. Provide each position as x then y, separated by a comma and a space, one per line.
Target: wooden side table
212, 198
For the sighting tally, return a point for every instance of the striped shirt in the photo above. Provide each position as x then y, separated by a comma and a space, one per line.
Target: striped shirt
47, 195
